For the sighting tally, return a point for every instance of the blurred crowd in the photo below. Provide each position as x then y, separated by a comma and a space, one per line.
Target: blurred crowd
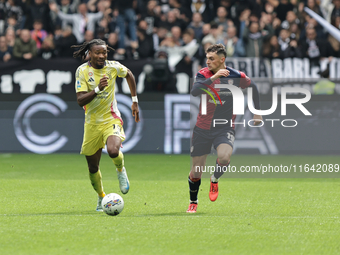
140, 29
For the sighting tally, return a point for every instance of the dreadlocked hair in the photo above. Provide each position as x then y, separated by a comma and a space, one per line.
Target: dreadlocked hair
86, 46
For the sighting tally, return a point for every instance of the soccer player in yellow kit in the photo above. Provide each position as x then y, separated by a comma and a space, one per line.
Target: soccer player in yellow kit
95, 86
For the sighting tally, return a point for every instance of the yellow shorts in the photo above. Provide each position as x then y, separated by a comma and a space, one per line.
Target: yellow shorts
95, 136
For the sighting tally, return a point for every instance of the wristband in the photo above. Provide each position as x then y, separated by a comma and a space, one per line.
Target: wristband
97, 90
134, 99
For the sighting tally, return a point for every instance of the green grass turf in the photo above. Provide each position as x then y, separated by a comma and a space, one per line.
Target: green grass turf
47, 207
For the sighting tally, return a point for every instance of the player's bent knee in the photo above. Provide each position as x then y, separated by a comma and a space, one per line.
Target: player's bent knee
113, 153
224, 159
93, 169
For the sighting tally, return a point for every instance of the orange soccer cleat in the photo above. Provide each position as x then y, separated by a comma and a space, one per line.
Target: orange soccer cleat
192, 208
213, 193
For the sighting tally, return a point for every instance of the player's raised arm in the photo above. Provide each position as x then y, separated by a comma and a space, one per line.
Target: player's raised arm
130, 78
202, 83
83, 98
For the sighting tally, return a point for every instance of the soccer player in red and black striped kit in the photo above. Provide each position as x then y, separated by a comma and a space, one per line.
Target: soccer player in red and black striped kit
205, 134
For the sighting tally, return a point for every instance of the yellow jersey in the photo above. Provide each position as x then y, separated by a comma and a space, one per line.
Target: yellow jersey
103, 108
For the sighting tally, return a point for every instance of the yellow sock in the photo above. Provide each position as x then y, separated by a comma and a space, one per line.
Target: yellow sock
119, 161
96, 181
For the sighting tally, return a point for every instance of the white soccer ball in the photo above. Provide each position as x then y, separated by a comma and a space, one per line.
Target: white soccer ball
113, 204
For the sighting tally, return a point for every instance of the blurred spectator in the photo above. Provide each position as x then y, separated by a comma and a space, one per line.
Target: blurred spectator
314, 48
228, 5
253, 39
66, 7
292, 23
336, 9
281, 8
215, 34
89, 36
242, 22
16, 10
205, 30
271, 48
206, 43
334, 42
311, 23
125, 12
10, 37
25, 47
159, 37
327, 7
314, 6
152, 16
277, 26
81, 22
288, 46
112, 41
47, 49
168, 41
190, 53
233, 45
197, 25
5, 52
284, 39
324, 86
3, 14
171, 20
38, 34
204, 8
158, 76
63, 41
13, 23
39, 9
145, 42
177, 35
221, 19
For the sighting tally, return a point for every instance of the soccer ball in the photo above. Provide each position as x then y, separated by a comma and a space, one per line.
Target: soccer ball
113, 204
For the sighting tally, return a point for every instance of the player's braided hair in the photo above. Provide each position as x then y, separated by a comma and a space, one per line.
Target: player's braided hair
86, 46
218, 48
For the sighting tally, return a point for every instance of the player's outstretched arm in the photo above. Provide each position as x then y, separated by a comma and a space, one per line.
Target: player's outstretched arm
130, 78
83, 98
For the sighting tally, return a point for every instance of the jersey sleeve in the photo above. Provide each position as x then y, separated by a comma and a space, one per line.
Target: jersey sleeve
200, 83
121, 70
245, 81
81, 85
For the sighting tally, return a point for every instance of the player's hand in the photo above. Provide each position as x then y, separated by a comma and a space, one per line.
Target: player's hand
103, 83
135, 111
220, 73
257, 119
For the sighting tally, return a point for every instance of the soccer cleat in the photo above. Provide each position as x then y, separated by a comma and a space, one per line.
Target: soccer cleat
213, 193
99, 204
192, 208
124, 183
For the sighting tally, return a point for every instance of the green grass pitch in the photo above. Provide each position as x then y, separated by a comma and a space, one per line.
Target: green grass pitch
47, 206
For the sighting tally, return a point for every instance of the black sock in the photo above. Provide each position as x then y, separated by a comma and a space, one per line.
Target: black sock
193, 189
219, 169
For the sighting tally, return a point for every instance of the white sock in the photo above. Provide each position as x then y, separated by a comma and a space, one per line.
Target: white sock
213, 179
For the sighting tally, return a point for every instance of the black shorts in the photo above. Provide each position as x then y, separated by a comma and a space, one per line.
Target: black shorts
203, 139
